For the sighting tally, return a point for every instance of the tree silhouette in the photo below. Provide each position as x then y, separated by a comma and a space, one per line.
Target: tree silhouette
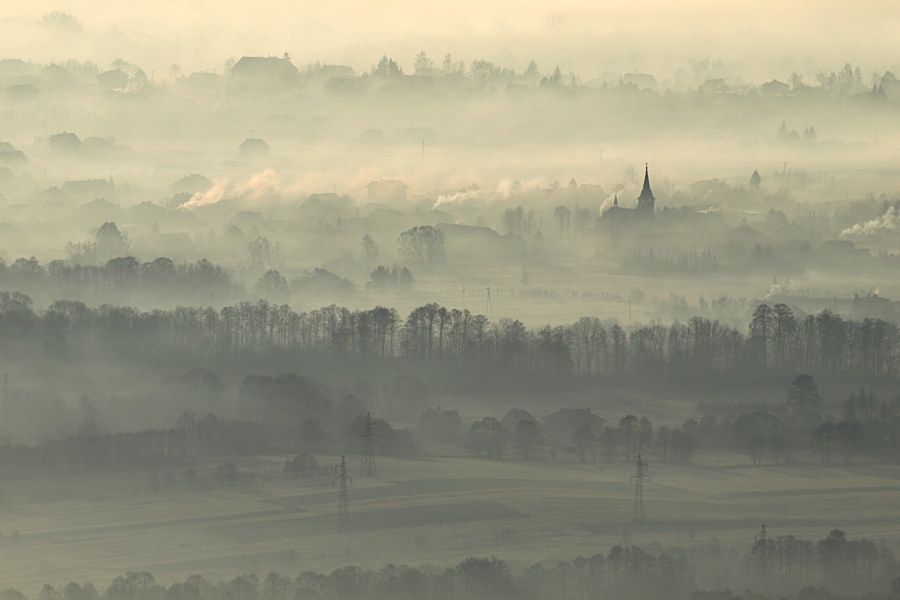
582, 439
423, 245
803, 394
527, 435
369, 251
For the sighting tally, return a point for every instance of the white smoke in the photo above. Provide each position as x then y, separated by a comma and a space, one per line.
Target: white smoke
214, 194
775, 290
265, 185
504, 189
886, 222
607, 203
461, 197
268, 186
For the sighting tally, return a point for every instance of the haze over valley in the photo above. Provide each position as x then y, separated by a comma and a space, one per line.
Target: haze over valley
470, 301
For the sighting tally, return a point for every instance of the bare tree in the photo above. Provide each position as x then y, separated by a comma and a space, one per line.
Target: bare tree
582, 439
527, 436
423, 245
562, 214
369, 251
804, 393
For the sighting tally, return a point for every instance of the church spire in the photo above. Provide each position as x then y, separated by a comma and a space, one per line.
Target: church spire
645, 200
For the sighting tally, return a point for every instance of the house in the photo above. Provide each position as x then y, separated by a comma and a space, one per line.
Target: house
90, 188
716, 86
200, 81
336, 72
641, 80
115, 79
15, 66
321, 208
565, 422
179, 200
440, 424
467, 234
53, 195
774, 88
512, 418
321, 281
9, 155
98, 146
872, 306
841, 252
254, 148
387, 190
264, 72
191, 184
55, 74
100, 211
65, 143
340, 85
22, 92
146, 213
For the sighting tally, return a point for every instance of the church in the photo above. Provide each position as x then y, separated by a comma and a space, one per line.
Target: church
618, 215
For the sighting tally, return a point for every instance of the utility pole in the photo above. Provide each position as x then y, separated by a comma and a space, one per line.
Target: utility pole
490, 307
367, 465
638, 479
343, 500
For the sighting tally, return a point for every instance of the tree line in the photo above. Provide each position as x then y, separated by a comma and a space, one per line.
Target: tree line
776, 339
785, 566
159, 280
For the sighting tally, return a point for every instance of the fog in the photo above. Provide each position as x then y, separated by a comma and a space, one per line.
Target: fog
452, 301
767, 38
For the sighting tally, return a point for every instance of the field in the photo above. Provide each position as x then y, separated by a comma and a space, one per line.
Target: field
435, 510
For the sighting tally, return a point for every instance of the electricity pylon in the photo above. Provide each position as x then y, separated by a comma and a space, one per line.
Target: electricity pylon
638, 479
343, 500
367, 465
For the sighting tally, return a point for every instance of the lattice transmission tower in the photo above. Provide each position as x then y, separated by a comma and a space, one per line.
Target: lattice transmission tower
343, 499
638, 478
367, 464
4, 405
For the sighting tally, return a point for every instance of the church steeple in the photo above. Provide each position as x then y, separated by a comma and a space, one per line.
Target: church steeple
646, 199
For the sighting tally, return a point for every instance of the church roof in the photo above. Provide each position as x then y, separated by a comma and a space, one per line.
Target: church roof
646, 193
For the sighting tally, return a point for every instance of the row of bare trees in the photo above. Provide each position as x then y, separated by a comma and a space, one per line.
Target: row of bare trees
776, 339
843, 566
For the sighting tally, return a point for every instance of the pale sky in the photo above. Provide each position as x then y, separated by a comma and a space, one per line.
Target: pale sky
762, 39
